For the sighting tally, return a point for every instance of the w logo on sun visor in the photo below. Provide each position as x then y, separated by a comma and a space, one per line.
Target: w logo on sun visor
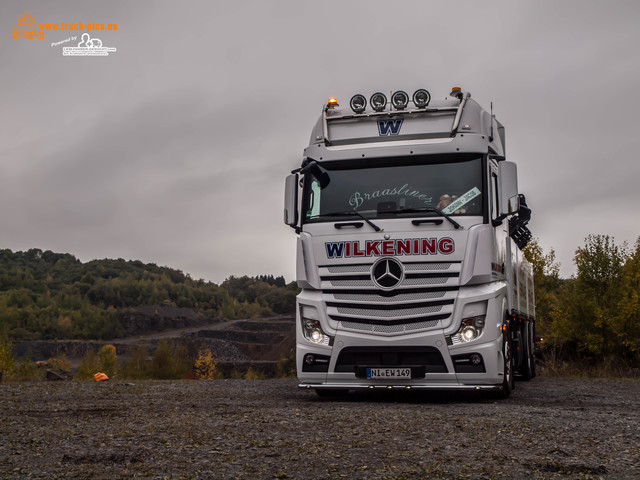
389, 127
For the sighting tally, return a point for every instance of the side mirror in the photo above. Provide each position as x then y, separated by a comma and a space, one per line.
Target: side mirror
291, 201
509, 199
514, 204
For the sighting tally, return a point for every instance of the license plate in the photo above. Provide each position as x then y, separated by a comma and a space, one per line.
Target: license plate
388, 373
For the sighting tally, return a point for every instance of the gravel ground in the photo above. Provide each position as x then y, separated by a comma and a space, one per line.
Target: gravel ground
264, 429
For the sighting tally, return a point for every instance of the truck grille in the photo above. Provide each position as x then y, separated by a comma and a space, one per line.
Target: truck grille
424, 297
399, 328
350, 358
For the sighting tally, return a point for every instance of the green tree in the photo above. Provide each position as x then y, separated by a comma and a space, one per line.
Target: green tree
546, 278
627, 318
597, 293
550, 325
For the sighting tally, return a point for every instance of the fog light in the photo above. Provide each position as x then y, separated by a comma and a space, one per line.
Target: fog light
475, 359
421, 98
309, 359
378, 101
468, 333
400, 100
358, 103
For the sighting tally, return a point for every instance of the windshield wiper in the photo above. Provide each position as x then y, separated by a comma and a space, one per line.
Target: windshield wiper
427, 209
350, 213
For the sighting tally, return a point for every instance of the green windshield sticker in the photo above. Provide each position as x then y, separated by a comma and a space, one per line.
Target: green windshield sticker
460, 202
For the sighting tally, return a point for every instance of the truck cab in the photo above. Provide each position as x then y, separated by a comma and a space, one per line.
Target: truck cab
410, 226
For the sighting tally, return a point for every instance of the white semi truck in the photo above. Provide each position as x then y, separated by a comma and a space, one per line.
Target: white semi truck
410, 229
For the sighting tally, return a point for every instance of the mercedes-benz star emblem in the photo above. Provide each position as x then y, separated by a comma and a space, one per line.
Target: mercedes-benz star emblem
387, 273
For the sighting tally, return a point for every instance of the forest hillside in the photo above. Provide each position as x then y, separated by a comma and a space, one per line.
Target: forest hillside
46, 295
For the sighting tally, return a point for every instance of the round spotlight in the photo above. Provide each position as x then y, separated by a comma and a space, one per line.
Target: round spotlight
421, 98
309, 359
475, 359
358, 103
400, 100
378, 101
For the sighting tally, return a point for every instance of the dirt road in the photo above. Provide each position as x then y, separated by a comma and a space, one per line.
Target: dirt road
269, 429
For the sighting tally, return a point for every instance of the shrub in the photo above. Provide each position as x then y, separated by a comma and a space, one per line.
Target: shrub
168, 362
59, 363
205, 367
137, 367
253, 375
287, 365
27, 368
108, 360
88, 366
7, 359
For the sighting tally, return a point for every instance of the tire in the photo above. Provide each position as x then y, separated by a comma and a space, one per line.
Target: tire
533, 350
526, 369
333, 393
507, 378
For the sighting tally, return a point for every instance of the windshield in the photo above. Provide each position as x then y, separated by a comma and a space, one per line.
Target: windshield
452, 184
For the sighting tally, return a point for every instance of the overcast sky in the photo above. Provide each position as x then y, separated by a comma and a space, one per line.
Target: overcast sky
174, 148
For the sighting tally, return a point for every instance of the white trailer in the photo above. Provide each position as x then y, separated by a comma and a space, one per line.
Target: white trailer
410, 226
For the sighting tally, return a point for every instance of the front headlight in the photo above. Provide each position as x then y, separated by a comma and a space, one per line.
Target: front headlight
313, 332
470, 329
468, 333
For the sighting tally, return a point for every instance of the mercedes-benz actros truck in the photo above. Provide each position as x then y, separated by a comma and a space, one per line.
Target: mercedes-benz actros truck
410, 228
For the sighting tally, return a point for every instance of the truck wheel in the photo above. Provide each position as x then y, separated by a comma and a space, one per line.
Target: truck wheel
532, 338
526, 370
507, 378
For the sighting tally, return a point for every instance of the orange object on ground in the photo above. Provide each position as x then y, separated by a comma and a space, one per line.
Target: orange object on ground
100, 377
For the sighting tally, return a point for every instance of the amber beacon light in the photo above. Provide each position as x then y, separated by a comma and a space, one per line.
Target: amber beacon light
332, 102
